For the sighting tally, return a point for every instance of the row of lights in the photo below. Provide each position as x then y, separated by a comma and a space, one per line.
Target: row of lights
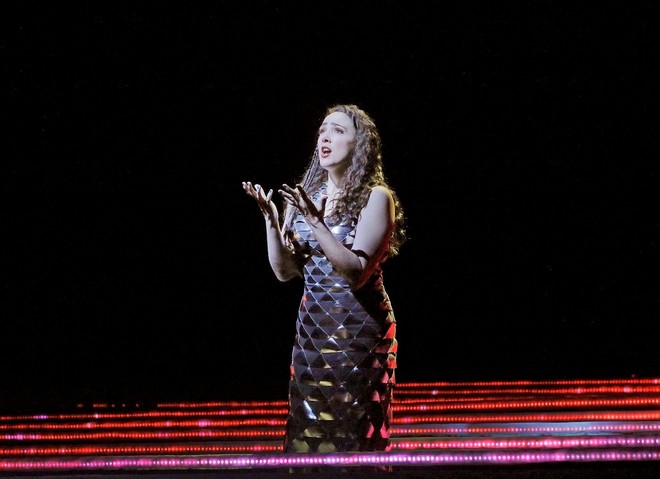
307, 460
416, 406
462, 444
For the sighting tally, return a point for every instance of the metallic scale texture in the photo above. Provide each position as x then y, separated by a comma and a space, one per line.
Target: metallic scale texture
343, 359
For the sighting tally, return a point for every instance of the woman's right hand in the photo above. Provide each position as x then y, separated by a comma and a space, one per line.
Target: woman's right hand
264, 200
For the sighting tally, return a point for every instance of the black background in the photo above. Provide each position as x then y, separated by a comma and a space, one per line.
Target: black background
520, 136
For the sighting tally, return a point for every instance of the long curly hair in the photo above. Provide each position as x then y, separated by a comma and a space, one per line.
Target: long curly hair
364, 173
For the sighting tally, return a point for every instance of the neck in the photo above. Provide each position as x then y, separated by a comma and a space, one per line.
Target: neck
332, 185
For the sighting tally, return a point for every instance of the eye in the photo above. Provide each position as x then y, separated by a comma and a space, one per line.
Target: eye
339, 130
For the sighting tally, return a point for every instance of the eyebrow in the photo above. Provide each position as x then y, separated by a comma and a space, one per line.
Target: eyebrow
332, 123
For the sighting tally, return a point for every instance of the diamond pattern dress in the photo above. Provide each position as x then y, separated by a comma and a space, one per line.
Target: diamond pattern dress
343, 359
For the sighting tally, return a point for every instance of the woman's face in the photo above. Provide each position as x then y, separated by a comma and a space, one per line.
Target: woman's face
336, 141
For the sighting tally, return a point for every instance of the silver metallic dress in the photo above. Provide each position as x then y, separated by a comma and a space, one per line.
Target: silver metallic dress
343, 359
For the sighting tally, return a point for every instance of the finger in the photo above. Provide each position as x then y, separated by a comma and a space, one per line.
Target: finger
290, 199
262, 193
297, 191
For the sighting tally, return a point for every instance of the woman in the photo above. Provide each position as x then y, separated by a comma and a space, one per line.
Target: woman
339, 225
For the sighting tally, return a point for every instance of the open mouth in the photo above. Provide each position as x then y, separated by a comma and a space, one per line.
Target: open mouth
325, 151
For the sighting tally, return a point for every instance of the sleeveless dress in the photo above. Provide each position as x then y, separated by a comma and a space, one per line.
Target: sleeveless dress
344, 356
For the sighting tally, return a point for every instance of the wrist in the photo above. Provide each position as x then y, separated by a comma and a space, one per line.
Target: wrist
314, 221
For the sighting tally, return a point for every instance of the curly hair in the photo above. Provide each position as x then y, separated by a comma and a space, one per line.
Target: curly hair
363, 174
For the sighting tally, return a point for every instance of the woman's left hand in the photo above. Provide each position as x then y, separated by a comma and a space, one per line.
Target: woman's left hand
298, 197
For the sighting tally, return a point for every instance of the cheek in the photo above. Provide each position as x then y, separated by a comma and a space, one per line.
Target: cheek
350, 147
347, 145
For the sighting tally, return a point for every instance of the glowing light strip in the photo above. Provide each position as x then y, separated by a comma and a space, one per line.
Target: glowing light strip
535, 443
516, 424
347, 460
403, 406
143, 414
142, 436
425, 385
252, 407
511, 398
422, 406
563, 382
274, 421
148, 449
214, 404
281, 404
400, 445
537, 391
275, 429
242, 423
532, 428
533, 417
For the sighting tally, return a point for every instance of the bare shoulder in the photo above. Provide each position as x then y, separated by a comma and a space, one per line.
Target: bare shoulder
380, 201
380, 194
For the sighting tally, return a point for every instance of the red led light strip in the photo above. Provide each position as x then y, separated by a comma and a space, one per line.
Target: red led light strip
533, 417
214, 404
145, 414
533, 404
276, 430
141, 449
516, 391
563, 382
242, 423
404, 406
150, 463
146, 435
407, 444
557, 428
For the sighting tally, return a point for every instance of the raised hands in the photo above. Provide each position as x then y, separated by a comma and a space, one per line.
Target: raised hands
296, 197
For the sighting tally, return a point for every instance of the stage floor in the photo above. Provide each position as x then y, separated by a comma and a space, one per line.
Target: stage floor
516, 429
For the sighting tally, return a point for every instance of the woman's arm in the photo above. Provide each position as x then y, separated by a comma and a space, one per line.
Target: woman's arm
371, 235
282, 258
